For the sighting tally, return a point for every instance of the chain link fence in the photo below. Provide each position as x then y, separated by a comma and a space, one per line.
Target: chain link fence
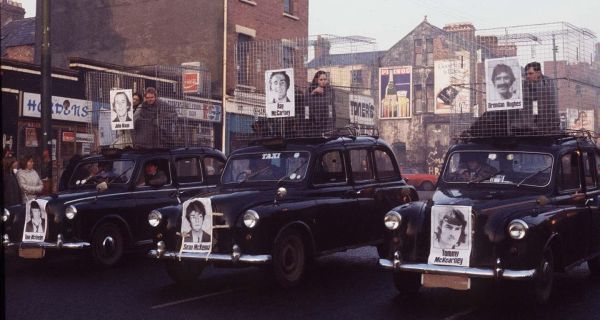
182, 116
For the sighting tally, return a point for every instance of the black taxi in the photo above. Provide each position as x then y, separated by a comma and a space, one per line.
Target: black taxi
284, 202
107, 200
505, 209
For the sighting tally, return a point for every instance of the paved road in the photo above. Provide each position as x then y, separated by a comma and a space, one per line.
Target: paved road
342, 286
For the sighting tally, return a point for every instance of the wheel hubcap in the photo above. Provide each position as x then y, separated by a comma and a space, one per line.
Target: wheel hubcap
108, 244
290, 258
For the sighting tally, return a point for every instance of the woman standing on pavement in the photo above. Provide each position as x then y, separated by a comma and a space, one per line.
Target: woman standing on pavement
29, 180
12, 191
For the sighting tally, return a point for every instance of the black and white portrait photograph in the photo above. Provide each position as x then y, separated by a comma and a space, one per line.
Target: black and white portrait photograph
121, 109
279, 89
450, 236
35, 221
196, 225
503, 84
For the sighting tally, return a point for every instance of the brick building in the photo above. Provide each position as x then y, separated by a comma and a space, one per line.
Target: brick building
170, 32
10, 11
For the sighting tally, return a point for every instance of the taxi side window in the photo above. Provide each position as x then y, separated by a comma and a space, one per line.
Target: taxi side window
362, 166
385, 166
569, 175
330, 168
213, 169
588, 166
188, 170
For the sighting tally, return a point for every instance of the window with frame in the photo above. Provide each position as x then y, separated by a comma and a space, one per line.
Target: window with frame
243, 57
385, 166
213, 169
162, 165
430, 98
288, 6
330, 168
429, 59
188, 170
588, 174
288, 57
569, 172
362, 167
357, 78
419, 99
418, 52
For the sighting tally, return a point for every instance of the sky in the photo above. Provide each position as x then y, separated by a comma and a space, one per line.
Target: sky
387, 21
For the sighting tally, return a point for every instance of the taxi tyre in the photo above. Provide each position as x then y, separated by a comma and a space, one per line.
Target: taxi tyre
594, 266
407, 283
107, 245
540, 288
427, 186
289, 259
184, 272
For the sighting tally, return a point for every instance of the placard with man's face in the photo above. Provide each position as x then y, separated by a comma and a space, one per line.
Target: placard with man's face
503, 84
450, 235
36, 221
121, 109
279, 89
196, 225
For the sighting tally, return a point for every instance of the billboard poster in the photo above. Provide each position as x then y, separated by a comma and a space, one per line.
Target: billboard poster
121, 109
279, 87
395, 95
196, 225
451, 85
31, 139
450, 235
503, 84
578, 119
362, 110
67, 109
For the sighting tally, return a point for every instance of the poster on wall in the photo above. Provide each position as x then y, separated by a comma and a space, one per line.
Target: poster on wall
196, 225
503, 84
362, 110
31, 139
279, 87
395, 93
451, 85
580, 119
450, 235
121, 111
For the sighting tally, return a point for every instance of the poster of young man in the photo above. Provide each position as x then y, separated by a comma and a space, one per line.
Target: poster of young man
36, 221
31, 139
279, 88
395, 92
451, 85
503, 84
196, 225
121, 109
450, 235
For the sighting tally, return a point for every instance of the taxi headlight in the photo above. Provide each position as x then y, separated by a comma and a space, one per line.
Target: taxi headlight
250, 218
70, 212
5, 215
517, 229
392, 220
154, 218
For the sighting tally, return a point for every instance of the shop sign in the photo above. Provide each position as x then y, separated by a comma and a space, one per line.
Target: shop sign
63, 108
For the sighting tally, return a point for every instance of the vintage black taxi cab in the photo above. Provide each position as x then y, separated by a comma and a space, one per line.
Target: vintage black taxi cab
504, 209
107, 200
283, 202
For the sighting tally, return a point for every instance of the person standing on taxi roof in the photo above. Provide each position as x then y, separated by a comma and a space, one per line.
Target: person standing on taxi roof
320, 105
539, 98
153, 122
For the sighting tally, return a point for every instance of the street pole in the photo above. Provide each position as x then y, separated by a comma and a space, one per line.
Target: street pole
46, 96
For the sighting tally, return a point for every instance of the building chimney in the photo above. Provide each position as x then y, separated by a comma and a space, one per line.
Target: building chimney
10, 11
322, 47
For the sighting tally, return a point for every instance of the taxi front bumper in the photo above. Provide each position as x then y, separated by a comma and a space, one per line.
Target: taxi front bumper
235, 257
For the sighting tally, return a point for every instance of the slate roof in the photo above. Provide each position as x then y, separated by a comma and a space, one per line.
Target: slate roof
18, 33
345, 59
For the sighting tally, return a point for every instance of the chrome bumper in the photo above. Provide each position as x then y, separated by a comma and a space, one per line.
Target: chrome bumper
495, 273
234, 257
59, 244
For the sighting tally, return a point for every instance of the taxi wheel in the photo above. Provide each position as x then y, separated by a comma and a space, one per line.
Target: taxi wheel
427, 186
594, 266
289, 259
541, 286
407, 283
107, 245
184, 272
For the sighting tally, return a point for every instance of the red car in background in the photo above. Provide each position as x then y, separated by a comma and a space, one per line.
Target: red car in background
417, 178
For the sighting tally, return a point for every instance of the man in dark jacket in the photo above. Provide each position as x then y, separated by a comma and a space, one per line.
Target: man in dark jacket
539, 99
154, 122
12, 191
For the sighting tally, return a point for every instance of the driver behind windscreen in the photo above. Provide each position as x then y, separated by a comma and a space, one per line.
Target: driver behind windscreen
473, 168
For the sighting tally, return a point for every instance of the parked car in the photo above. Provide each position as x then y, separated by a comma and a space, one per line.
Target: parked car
105, 207
419, 179
284, 202
504, 209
